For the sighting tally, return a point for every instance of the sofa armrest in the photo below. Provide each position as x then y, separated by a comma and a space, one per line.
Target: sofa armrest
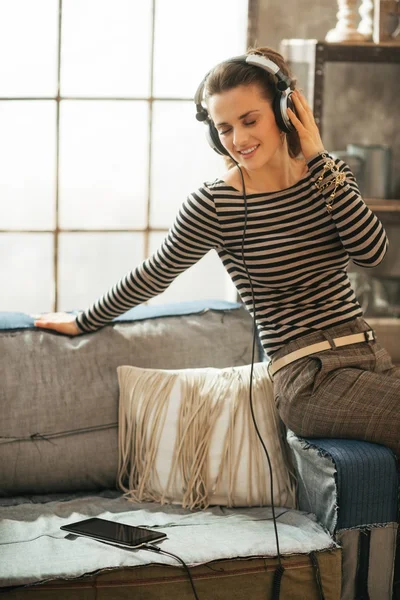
345, 483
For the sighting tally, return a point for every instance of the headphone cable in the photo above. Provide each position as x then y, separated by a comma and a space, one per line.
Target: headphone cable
281, 568
279, 571
276, 584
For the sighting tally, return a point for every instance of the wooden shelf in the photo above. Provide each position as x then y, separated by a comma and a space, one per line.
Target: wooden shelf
311, 50
383, 205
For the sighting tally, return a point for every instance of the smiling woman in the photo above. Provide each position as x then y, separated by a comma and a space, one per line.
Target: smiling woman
285, 221
256, 127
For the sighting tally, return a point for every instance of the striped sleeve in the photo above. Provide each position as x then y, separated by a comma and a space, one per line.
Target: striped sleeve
361, 232
195, 231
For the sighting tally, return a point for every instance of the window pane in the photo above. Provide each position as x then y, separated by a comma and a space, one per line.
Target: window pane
103, 164
207, 279
191, 39
106, 48
26, 272
181, 159
28, 164
103, 259
28, 47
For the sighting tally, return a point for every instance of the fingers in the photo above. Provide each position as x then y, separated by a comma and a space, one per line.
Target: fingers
57, 317
66, 328
294, 119
304, 120
61, 322
303, 108
301, 100
305, 125
47, 324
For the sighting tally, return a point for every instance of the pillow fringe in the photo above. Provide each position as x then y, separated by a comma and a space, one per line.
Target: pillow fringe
142, 414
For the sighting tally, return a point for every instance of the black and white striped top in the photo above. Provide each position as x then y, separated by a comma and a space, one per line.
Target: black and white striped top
296, 252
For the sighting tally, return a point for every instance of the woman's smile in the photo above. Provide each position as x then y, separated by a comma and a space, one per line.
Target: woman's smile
249, 152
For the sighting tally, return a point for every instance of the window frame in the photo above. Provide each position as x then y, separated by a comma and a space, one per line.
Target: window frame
56, 231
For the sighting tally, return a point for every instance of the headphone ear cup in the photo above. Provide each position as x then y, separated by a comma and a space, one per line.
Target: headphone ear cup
290, 104
280, 104
213, 139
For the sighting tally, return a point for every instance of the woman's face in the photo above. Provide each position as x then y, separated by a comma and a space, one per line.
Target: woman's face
246, 125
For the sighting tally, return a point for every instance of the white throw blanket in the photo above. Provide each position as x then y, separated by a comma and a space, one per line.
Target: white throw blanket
33, 548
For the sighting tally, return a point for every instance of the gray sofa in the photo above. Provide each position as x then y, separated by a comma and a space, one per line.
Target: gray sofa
58, 461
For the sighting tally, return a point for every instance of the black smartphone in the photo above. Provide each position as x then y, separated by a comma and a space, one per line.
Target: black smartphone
114, 533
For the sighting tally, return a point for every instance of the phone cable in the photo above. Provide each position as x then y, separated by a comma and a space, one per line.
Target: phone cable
178, 558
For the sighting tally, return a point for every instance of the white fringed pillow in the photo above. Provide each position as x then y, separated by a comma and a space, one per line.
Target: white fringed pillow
187, 437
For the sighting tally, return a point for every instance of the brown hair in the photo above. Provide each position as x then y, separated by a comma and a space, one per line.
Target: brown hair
228, 75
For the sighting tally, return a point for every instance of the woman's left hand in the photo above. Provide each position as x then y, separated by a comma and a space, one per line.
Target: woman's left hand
59, 321
310, 140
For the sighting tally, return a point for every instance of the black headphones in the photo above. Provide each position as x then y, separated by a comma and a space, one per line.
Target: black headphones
280, 104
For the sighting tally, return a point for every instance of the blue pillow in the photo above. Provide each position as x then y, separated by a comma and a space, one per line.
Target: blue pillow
19, 320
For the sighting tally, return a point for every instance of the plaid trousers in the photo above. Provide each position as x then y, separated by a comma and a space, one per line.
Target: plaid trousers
349, 392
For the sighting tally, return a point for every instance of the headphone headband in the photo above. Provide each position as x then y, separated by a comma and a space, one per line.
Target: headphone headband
255, 60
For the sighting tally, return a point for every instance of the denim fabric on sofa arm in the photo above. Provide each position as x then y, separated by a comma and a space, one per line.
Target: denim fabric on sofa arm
352, 487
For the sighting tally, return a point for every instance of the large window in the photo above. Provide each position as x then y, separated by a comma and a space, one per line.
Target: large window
99, 143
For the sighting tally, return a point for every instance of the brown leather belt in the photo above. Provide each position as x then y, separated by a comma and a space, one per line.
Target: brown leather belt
346, 340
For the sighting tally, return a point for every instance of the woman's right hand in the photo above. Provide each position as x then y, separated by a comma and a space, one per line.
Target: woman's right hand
59, 321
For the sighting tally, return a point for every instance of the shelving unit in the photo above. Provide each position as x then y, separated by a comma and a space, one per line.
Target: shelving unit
315, 55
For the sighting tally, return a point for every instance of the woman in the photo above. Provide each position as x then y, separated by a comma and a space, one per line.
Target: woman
304, 219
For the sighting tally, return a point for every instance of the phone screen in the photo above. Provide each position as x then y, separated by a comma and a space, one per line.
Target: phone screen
117, 533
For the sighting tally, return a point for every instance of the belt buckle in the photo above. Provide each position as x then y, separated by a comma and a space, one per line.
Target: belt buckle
369, 335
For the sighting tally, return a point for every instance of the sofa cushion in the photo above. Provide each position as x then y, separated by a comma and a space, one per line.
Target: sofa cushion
59, 394
186, 436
